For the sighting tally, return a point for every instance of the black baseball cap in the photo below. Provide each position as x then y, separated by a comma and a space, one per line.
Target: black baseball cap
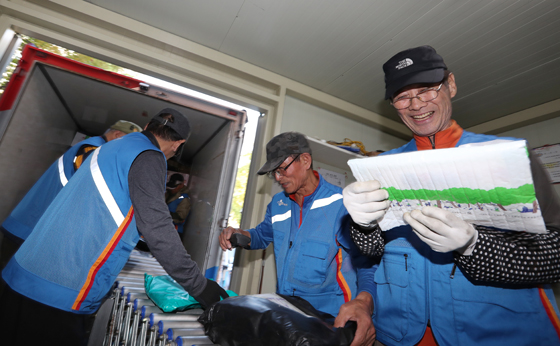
280, 147
413, 66
180, 122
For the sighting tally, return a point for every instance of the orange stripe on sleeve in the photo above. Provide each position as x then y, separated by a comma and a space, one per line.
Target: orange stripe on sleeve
341, 281
102, 259
550, 310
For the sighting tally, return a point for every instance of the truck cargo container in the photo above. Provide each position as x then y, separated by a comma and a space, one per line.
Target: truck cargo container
50, 99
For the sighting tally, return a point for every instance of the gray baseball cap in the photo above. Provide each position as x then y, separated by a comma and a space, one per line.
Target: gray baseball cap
280, 147
126, 126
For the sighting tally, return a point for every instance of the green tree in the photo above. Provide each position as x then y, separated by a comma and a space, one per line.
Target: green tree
67, 53
239, 190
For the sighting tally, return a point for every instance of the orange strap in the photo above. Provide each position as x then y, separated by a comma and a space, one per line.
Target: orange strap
101, 260
550, 310
340, 278
80, 158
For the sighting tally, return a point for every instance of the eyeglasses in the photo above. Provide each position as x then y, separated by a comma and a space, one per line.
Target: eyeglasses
281, 171
426, 95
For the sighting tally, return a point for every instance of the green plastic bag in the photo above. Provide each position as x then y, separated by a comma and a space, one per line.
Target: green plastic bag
169, 296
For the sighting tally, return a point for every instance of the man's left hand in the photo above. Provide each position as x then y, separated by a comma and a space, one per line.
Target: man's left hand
442, 230
359, 310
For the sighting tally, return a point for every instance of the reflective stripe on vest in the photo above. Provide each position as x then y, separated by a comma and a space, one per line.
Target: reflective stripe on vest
282, 217
326, 201
104, 190
63, 179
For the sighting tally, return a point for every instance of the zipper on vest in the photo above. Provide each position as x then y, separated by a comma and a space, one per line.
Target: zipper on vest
294, 292
433, 141
405, 262
290, 245
453, 271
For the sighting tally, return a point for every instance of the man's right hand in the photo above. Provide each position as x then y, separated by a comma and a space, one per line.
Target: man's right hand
212, 293
226, 235
366, 202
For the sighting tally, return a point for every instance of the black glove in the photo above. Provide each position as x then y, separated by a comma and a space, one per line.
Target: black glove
211, 294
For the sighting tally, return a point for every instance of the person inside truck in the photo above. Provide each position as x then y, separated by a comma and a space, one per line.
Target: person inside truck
442, 280
178, 200
18, 225
68, 264
308, 224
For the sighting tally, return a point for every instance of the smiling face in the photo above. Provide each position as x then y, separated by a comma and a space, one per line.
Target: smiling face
427, 118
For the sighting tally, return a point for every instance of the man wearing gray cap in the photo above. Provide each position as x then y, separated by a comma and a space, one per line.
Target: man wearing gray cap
308, 224
19, 224
70, 261
25, 215
443, 280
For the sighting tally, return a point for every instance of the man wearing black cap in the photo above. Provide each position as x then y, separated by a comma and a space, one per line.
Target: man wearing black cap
308, 224
442, 280
65, 268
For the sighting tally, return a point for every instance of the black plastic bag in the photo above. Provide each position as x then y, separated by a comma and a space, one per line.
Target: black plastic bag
271, 319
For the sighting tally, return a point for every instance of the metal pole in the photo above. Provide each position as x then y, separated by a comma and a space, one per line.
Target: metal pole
167, 316
143, 331
126, 323
147, 310
153, 337
134, 328
163, 325
130, 296
175, 332
117, 298
120, 313
195, 340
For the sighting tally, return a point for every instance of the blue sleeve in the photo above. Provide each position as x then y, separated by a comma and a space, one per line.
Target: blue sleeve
262, 235
365, 266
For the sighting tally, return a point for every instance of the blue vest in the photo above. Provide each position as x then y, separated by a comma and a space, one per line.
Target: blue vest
76, 250
25, 215
173, 207
313, 260
415, 285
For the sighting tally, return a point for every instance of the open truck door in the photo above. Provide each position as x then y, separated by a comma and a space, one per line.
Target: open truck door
49, 99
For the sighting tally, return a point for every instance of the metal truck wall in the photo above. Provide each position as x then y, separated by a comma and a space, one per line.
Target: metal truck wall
204, 186
39, 130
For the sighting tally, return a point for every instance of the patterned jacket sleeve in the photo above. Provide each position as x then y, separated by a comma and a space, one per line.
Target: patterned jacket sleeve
513, 257
519, 257
369, 241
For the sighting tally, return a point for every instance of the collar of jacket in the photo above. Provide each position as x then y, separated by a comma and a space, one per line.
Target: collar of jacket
447, 138
306, 198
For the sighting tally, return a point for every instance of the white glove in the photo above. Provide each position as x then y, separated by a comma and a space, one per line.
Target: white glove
365, 202
442, 230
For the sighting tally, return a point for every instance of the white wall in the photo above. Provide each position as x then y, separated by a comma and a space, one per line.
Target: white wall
319, 123
539, 134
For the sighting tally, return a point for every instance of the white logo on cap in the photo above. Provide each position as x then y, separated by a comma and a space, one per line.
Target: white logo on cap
404, 63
